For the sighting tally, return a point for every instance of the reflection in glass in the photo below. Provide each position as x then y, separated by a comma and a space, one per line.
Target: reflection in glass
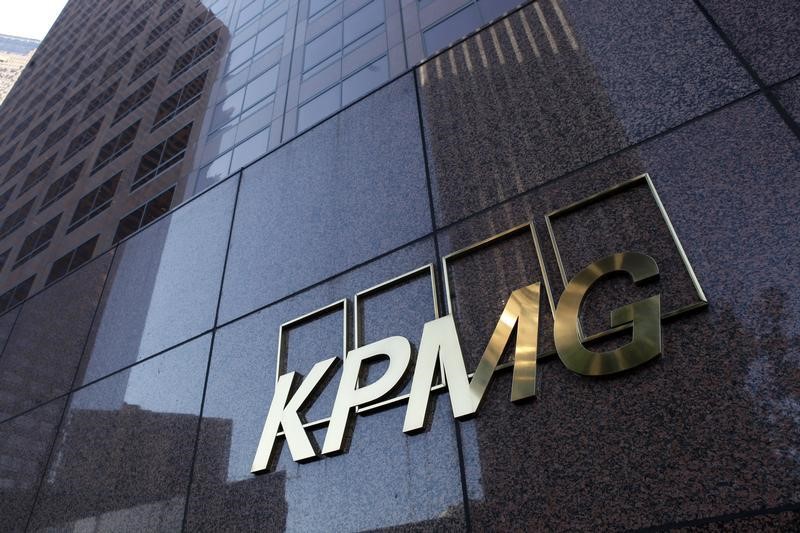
365, 80
164, 285
318, 108
124, 451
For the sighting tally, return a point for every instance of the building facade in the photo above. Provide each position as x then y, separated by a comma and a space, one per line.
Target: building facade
344, 172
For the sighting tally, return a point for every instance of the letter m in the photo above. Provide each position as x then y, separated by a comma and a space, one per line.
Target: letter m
440, 342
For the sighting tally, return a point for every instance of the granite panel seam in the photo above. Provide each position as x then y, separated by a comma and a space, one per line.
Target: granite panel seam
184, 522
69, 394
119, 370
439, 296
771, 97
14, 323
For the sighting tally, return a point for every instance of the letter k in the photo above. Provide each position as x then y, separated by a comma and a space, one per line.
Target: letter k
283, 414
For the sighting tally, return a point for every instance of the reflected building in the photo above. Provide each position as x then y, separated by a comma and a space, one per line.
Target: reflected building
130, 108
98, 132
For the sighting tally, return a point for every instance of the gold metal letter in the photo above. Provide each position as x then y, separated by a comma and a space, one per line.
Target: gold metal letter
350, 395
283, 413
644, 314
440, 340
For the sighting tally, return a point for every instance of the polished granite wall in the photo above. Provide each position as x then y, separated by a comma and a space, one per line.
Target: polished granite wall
133, 392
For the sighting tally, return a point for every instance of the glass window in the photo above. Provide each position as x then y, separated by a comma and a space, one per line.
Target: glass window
151, 60
144, 214
219, 141
247, 13
15, 219
363, 20
57, 134
83, 139
179, 100
216, 171
5, 197
228, 109
162, 157
271, 33
19, 165
38, 240
319, 108
101, 99
365, 80
254, 119
116, 147
250, 150
94, 203
323, 46
37, 175
72, 260
62, 185
15, 295
316, 5
241, 54
262, 86
451, 29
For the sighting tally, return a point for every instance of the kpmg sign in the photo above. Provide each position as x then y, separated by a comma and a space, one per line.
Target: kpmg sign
440, 349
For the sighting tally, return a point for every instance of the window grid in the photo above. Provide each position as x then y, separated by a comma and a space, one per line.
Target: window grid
83, 139
70, 70
72, 260
6, 157
57, 134
195, 54
144, 214
116, 146
60, 187
19, 165
198, 23
15, 219
134, 100
38, 129
168, 4
142, 9
37, 241
179, 101
161, 157
5, 197
164, 27
16, 294
22, 126
151, 60
132, 34
92, 67
94, 202
53, 101
37, 175
118, 64
101, 99
109, 36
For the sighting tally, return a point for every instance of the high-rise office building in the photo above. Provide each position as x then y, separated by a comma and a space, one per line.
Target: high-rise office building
283, 264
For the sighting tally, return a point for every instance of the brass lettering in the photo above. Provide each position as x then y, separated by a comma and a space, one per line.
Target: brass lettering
350, 395
644, 314
440, 341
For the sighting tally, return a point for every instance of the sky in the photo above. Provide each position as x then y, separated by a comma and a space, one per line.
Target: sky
29, 18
